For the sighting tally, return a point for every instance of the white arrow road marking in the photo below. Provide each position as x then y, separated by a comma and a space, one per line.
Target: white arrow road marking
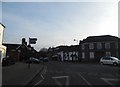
107, 80
61, 77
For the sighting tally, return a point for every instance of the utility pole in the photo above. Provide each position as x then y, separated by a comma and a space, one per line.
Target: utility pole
31, 41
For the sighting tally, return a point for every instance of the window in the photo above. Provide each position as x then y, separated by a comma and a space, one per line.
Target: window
91, 55
83, 55
108, 53
107, 45
103, 58
83, 46
99, 45
91, 46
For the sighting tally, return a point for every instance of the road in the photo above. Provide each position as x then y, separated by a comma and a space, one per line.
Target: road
71, 73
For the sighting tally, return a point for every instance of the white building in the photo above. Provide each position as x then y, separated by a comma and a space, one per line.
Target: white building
2, 48
68, 53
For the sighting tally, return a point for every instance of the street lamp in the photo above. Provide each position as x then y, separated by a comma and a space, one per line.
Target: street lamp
76, 41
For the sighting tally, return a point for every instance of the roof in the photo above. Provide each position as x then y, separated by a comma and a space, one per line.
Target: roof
11, 46
6, 44
18, 46
100, 38
21, 45
27, 47
2, 25
68, 48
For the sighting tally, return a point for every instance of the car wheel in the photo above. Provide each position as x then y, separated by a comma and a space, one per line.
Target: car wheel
115, 64
101, 63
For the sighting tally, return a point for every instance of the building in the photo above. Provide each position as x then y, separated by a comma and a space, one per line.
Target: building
95, 47
66, 53
20, 52
25, 52
11, 51
2, 47
90, 49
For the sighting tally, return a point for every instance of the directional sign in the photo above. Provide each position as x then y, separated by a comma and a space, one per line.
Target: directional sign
32, 40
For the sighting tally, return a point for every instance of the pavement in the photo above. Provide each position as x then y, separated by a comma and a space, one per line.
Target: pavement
20, 73
0, 74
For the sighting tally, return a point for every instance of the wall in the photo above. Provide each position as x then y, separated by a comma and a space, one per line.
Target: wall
98, 53
2, 48
1, 34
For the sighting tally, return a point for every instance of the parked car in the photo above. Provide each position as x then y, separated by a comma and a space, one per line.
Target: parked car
110, 60
7, 61
41, 58
33, 60
45, 59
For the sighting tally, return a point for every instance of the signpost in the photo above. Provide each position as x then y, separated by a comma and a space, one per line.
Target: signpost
31, 41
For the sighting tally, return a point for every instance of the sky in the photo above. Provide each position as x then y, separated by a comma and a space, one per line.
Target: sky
58, 23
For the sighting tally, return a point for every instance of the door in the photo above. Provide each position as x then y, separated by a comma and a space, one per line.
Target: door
108, 60
99, 55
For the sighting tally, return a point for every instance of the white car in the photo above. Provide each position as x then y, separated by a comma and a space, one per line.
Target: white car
110, 60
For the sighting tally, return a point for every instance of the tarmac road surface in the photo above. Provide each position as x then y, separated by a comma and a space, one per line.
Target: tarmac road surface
71, 73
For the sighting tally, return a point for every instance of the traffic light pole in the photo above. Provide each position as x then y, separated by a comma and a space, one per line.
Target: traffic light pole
31, 41
29, 56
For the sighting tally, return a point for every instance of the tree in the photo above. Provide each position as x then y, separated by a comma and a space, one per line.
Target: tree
43, 52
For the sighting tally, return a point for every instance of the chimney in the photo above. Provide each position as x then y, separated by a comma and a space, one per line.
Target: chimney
24, 41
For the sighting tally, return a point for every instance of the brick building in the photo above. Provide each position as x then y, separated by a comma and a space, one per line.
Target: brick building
90, 49
20, 52
95, 47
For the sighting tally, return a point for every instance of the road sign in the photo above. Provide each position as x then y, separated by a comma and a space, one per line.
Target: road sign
32, 40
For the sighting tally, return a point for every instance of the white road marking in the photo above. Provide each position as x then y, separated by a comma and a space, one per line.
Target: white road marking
43, 72
61, 77
40, 80
107, 80
88, 83
42, 76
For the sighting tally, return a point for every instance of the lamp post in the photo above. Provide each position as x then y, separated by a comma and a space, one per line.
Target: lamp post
76, 41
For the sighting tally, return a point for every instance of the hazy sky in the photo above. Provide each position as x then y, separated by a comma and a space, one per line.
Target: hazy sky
58, 23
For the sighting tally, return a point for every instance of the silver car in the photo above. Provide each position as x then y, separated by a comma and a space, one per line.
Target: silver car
33, 60
110, 60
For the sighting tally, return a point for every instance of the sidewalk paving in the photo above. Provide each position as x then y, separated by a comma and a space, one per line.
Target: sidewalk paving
20, 73
0, 74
